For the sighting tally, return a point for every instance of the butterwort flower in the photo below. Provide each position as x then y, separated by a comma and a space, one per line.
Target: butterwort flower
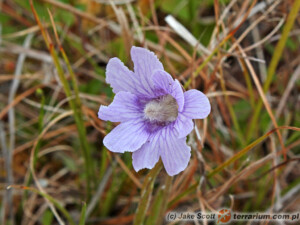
155, 114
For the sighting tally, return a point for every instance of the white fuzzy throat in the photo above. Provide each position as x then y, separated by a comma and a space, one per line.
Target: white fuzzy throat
163, 109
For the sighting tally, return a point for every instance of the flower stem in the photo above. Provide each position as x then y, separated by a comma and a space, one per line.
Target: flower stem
159, 205
146, 194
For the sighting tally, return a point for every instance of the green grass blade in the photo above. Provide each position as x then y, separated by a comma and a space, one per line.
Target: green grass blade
231, 160
274, 62
50, 199
75, 105
83, 214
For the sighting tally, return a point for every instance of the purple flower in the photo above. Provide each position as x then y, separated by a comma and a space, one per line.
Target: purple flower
155, 114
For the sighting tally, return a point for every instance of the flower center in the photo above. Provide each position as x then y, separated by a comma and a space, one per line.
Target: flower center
163, 109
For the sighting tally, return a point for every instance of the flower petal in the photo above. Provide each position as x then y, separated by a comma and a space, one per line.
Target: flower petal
177, 93
183, 125
148, 155
174, 152
124, 107
145, 63
163, 81
196, 105
165, 84
126, 137
120, 77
